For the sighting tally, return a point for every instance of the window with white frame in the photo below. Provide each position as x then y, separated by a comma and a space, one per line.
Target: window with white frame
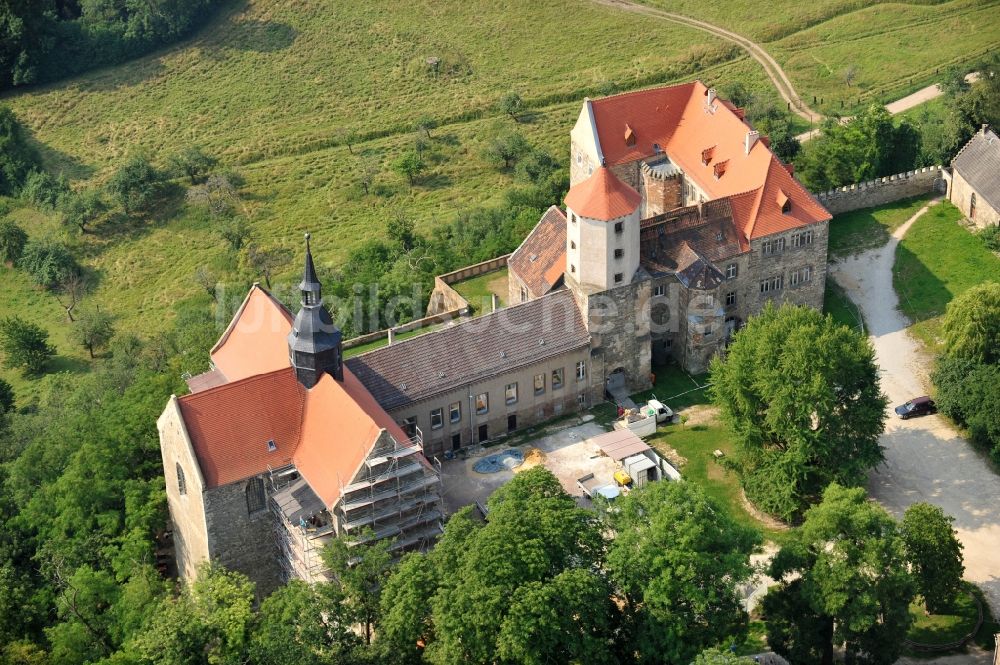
800, 276
437, 418
510, 393
732, 270
455, 412
802, 239
731, 298
772, 284
581, 370
659, 290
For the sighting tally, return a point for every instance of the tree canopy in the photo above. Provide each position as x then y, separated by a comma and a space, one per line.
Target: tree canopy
801, 395
843, 579
678, 561
934, 553
971, 324
24, 345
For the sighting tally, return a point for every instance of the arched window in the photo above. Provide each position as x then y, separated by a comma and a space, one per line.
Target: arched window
256, 499
181, 482
972, 207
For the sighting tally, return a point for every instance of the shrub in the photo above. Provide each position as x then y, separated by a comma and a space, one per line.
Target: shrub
12, 240
43, 189
24, 345
134, 184
17, 158
49, 262
991, 237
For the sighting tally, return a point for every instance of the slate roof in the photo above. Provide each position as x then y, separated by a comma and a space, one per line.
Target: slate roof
540, 261
433, 363
698, 137
603, 196
979, 163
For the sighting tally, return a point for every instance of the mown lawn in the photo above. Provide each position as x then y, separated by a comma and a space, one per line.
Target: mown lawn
696, 438
860, 230
937, 260
840, 307
949, 626
478, 291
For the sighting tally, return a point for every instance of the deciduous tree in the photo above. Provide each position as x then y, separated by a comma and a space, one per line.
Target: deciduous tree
935, 554
801, 395
844, 576
12, 241
971, 324
24, 345
16, 156
49, 262
410, 165
264, 261
94, 330
82, 209
511, 104
359, 566
505, 148
134, 184
677, 561
193, 164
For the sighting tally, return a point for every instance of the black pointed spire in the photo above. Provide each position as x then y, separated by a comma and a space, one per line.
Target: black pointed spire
312, 290
314, 345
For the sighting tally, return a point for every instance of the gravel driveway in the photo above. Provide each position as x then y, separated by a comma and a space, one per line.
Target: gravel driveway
926, 460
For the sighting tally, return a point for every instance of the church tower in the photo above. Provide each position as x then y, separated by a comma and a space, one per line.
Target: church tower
602, 232
314, 345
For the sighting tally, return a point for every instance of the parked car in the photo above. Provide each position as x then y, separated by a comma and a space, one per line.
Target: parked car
663, 412
918, 406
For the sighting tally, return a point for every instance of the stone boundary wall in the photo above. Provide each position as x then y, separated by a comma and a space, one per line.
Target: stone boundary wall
445, 302
885, 190
444, 298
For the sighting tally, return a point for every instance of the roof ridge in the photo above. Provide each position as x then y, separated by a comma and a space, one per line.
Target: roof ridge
479, 320
626, 93
540, 220
231, 384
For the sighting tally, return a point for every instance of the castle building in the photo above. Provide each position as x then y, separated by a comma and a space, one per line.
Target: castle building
975, 181
680, 223
280, 447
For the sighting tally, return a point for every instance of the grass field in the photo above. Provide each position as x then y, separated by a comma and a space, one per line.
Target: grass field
275, 88
478, 291
842, 308
937, 260
860, 230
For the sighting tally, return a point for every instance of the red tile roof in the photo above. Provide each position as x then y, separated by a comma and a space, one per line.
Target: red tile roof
603, 196
703, 140
325, 432
256, 340
540, 261
230, 425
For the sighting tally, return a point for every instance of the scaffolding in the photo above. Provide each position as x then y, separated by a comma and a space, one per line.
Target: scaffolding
396, 493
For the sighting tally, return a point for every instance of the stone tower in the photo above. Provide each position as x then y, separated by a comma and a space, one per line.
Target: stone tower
602, 232
314, 344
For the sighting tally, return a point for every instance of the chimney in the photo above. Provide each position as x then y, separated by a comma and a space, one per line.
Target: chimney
750, 139
711, 96
983, 129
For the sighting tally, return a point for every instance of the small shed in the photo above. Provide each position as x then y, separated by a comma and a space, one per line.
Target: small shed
641, 469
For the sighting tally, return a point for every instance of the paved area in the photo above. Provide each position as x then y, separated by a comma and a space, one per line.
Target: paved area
926, 460
565, 452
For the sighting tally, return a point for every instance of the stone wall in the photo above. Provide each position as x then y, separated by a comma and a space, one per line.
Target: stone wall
187, 510
762, 267
618, 321
960, 194
660, 192
884, 190
240, 541
444, 298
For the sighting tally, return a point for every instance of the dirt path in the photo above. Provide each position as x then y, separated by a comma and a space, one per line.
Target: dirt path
926, 460
771, 66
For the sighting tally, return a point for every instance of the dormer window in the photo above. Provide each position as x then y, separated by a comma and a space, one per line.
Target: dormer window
271, 446
720, 168
629, 136
783, 202
706, 155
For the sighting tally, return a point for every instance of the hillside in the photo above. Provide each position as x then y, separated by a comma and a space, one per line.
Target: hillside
275, 87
